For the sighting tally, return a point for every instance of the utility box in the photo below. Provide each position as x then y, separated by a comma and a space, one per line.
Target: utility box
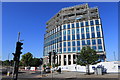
99, 70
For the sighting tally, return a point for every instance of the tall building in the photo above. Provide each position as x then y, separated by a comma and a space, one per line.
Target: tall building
71, 29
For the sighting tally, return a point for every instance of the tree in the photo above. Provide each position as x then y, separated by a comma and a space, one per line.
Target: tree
27, 59
35, 62
87, 57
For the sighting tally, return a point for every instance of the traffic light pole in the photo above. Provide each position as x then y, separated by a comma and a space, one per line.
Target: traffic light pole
17, 57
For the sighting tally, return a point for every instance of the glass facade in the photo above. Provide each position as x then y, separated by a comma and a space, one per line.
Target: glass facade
74, 36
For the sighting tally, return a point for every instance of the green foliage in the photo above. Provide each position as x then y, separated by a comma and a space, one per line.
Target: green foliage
27, 59
44, 66
87, 56
6, 63
35, 62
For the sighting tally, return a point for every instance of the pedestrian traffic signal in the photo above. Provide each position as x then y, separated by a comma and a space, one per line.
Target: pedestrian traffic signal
19, 47
50, 57
54, 57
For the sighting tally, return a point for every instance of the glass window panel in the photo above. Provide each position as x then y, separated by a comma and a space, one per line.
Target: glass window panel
91, 23
78, 36
77, 25
77, 31
99, 48
64, 38
82, 30
73, 31
73, 43
87, 29
68, 26
69, 49
64, 44
78, 43
68, 31
68, 37
78, 49
73, 49
64, 49
93, 35
99, 41
73, 37
97, 28
73, 26
88, 35
98, 34
83, 42
83, 36
64, 32
92, 29
64, 27
88, 42
86, 23
94, 47
97, 22
69, 44
93, 42
82, 25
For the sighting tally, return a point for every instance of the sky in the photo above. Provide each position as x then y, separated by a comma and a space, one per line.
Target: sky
29, 18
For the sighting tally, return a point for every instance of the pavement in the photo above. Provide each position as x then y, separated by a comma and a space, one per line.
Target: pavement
36, 75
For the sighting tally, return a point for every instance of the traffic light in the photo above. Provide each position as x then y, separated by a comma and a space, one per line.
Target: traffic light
54, 57
50, 57
19, 47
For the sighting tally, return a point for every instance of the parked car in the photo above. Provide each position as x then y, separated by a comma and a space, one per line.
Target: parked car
47, 70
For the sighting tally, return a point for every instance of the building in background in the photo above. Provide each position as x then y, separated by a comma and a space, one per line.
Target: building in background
71, 29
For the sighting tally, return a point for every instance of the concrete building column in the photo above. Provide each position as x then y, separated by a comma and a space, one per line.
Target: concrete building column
66, 59
62, 60
71, 59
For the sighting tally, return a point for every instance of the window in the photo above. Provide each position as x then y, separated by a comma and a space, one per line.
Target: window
99, 41
99, 48
78, 49
88, 35
68, 32
78, 43
64, 38
83, 42
77, 31
93, 35
73, 26
73, 37
97, 28
77, 25
69, 44
82, 30
88, 42
91, 23
64, 44
83, 36
69, 49
87, 29
98, 34
64, 32
86, 23
93, 42
92, 29
68, 26
73, 43
68, 37
73, 49
78, 36
73, 31
60, 44
64, 49
82, 25
97, 22
64, 27
94, 47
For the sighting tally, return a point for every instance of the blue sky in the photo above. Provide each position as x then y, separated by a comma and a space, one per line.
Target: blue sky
29, 18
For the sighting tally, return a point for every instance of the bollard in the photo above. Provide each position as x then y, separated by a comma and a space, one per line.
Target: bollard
8, 73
